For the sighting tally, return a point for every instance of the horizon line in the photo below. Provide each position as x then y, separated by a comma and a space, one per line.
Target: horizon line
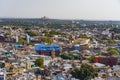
57, 18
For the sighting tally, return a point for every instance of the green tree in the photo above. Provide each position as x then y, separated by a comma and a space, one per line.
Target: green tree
113, 51
27, 28
7, 33
111, 41
22, 41
83, 36
39, 62
32, 33
103, 41
2, 65
85, 72
91, 58
51, 33
116, 30
118, 36
71, 38
48, 40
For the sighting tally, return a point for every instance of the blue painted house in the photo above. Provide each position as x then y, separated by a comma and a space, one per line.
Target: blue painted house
43, 49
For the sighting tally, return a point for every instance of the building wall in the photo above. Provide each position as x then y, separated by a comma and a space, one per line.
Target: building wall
48, 52
2, 39
109, 60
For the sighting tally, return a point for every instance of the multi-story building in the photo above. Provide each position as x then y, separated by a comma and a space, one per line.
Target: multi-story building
43, 49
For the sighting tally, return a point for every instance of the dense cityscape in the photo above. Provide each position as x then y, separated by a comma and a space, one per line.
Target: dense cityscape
54, 49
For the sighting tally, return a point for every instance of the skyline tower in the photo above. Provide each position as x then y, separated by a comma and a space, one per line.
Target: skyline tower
28, 38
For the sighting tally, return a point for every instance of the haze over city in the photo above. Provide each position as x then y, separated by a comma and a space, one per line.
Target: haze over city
61, 9
60, 39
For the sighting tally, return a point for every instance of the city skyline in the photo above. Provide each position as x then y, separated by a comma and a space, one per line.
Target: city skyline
61, 9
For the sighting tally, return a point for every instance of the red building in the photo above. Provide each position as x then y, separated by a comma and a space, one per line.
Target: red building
107, 60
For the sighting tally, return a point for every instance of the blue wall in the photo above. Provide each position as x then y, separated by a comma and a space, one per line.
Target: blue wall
46, 47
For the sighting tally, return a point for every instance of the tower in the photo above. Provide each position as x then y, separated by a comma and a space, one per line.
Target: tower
28, 38
17, 39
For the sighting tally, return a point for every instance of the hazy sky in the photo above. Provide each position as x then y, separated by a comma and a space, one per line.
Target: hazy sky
61, 9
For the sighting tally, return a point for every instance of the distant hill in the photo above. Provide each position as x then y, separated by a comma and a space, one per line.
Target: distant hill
54, 21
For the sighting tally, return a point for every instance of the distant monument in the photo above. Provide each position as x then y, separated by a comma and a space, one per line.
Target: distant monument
44, 19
